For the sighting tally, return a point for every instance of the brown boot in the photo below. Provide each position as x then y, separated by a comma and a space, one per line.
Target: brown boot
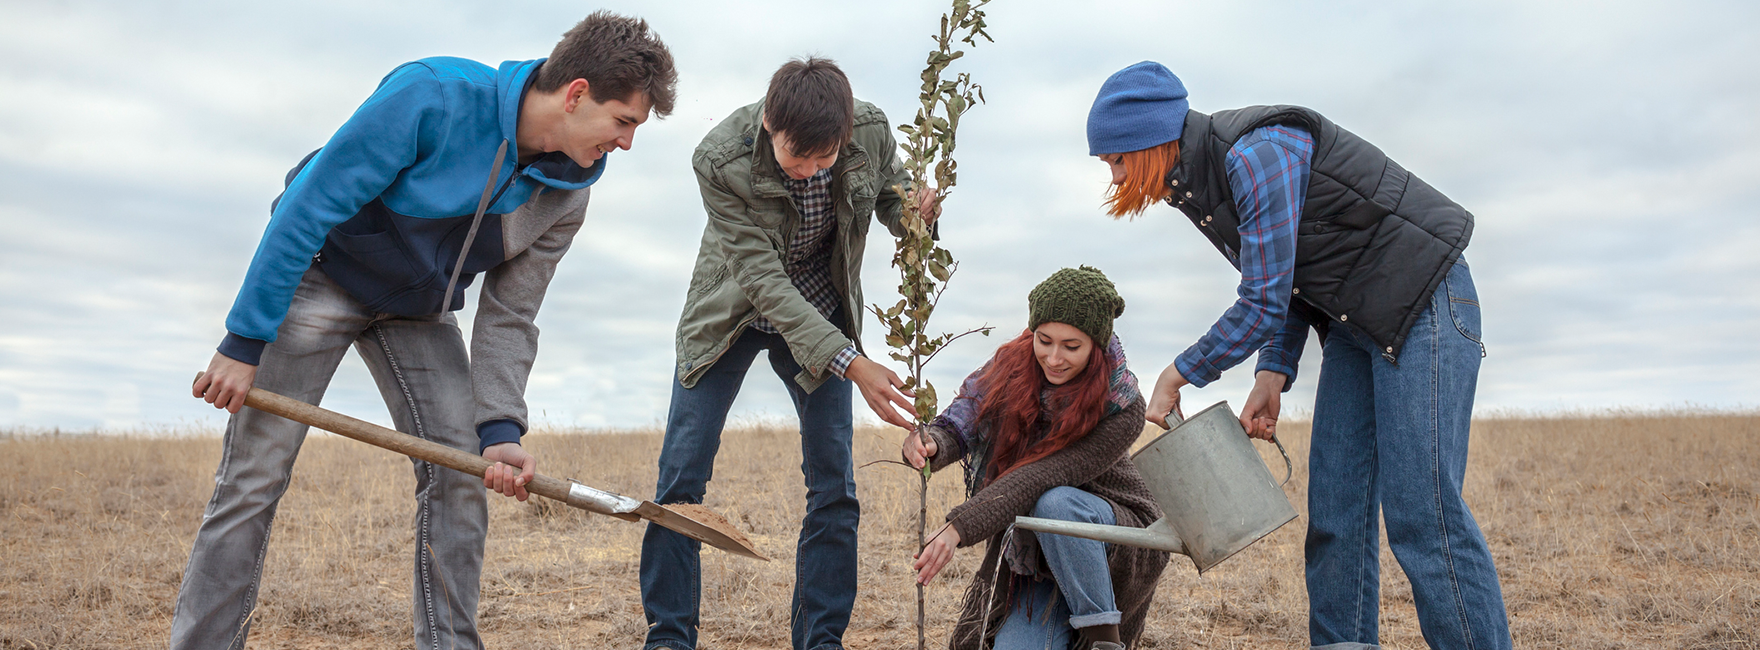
1102, 637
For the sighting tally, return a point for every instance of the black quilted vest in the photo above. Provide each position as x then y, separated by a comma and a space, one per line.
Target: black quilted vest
1374, 241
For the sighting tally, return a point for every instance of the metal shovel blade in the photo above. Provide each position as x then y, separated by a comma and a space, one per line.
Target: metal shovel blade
702, 524
691, 520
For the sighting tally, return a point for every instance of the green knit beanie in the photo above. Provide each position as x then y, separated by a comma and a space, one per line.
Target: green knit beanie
1082, 298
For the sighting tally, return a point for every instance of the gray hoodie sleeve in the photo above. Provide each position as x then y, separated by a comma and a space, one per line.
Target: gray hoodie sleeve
504, 340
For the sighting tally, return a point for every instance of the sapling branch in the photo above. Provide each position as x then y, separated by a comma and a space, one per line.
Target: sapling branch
976, 330
886, 461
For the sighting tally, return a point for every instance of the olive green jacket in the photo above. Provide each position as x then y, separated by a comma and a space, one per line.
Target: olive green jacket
739, 274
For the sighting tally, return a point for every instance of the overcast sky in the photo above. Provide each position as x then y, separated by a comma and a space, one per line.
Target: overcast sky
1609, 151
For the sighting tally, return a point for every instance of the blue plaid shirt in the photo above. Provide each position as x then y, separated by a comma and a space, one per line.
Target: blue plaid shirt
808, 258
1268, 174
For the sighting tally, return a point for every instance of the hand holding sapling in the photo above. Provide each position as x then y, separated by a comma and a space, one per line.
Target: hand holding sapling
918, 449
878, 385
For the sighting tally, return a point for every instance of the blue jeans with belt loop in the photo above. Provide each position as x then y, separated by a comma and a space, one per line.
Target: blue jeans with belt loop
825, 561
1390, 439
1047, 612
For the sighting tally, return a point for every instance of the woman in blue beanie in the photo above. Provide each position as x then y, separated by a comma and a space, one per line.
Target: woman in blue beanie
1329, 233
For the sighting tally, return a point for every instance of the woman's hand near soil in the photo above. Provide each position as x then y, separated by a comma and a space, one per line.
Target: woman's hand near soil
918, 450
513, 469
226, 383
936, 553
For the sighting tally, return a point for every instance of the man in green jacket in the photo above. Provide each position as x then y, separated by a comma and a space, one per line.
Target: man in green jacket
789, 184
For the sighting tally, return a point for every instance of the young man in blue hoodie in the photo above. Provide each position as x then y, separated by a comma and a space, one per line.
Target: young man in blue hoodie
449, 170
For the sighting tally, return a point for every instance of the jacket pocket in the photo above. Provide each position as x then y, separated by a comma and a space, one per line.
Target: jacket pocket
861, 199
768, 213
707, 278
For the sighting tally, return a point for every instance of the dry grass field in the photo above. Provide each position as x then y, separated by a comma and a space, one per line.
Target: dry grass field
1610, 531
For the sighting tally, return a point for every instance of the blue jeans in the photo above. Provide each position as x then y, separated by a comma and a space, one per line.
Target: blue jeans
1391, 439
825, 560
1039, 618
423, 371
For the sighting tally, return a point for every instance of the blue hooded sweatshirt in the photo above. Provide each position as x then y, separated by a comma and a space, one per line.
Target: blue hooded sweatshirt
383, 209
384, 206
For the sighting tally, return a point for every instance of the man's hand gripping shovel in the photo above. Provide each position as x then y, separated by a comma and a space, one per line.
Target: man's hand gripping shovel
693, 521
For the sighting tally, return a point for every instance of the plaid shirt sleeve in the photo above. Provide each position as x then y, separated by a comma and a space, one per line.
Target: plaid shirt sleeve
840, 363
1285, 348
1268, 174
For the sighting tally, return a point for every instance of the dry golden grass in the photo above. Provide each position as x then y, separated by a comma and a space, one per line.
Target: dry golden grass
1610, 531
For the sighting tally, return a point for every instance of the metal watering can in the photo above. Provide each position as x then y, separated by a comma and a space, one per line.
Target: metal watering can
1216, 495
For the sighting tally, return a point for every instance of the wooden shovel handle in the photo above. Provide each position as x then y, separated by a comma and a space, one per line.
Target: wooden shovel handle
399, 442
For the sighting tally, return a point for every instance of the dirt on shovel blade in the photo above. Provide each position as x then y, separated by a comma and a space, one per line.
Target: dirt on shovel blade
703, 515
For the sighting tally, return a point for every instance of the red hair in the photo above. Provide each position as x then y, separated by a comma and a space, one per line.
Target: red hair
1145, 179
1013, 383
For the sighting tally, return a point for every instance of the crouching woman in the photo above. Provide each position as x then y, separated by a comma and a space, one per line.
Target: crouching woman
1043, 429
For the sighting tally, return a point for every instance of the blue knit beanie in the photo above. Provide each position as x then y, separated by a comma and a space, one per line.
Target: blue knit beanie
1139, 107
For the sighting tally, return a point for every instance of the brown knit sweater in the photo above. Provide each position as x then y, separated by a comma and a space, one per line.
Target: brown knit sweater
1097, 463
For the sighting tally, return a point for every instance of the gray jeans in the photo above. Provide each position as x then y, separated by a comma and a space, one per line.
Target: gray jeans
423, 372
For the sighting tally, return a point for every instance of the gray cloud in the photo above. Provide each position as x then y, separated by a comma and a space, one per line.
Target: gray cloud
1608, 151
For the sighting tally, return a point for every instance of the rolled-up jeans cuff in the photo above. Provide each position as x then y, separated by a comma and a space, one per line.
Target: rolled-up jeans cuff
1091, 620
1349, 645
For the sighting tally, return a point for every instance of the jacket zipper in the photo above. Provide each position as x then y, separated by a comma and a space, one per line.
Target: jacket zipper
854, 318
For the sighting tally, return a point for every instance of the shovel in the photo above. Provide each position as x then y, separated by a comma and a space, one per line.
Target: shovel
693, 521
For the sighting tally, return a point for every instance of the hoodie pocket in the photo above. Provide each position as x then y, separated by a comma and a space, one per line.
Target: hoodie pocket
378, 256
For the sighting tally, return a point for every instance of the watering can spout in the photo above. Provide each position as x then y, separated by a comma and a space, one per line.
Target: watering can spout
1159, 535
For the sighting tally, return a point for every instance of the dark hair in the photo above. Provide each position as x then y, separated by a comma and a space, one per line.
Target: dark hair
810, 100
1013, 383
618, 57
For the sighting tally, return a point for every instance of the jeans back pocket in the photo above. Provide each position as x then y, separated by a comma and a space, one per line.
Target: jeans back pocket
1463, 303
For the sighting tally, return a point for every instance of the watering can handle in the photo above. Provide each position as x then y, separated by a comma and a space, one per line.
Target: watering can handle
1172, 420
1289, 469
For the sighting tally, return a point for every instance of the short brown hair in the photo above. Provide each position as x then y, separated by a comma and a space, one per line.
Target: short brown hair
810, 100
618, 57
